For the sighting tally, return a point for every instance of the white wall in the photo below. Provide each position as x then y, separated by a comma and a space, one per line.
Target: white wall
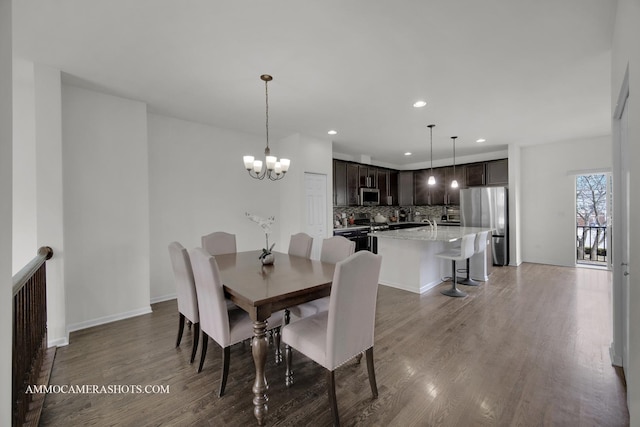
626, 53
198, 185
6, 106
50, 209
106, 207
307, 155
548, 220
515, 209
24, 174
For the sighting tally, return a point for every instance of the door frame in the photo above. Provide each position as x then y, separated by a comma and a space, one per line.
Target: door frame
620, 301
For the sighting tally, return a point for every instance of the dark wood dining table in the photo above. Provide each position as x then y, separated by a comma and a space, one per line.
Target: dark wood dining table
261, 290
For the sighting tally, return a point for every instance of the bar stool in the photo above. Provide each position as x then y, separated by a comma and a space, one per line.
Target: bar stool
480, 246
464, 252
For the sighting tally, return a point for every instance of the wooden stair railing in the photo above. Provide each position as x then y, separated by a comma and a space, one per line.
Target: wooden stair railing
30, 353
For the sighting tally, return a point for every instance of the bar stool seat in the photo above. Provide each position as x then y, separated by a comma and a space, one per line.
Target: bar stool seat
461, 253
479, 247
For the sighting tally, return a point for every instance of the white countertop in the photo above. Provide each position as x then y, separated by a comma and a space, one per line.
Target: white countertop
442, 233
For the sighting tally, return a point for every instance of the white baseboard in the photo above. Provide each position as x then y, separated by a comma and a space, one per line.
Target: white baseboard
108, 319
163, 298
423, 288
59, 342
616, 360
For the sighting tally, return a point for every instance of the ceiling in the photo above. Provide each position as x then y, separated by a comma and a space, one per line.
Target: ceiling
509, 71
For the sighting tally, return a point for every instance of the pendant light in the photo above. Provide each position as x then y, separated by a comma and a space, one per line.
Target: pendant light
275, 169
432, 179
454, 183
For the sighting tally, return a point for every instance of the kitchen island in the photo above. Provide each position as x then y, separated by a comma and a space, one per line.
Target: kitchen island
409, 259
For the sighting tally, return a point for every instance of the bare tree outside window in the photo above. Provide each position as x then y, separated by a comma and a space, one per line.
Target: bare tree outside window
591, 217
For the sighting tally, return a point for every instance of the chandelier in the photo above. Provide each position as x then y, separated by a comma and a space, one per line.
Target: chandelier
275, 169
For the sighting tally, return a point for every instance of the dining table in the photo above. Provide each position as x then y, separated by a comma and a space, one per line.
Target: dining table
261, 290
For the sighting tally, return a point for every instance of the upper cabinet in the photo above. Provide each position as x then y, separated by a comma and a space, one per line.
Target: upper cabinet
497, 172
368, 176
407, 188
474, 174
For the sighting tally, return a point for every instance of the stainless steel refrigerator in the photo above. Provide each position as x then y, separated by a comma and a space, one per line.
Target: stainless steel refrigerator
488, 207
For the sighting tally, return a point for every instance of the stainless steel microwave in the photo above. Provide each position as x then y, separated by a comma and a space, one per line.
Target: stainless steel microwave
369, 196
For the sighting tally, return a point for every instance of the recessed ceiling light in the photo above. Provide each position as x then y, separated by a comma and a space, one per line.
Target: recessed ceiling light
407, 153
419, 104
333, 132
481, 140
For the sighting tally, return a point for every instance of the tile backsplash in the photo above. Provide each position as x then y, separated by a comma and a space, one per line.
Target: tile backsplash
430, 212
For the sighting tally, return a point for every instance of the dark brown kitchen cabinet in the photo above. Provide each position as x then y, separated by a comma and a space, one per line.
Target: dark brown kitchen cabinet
339, 183
368, 176
405, 188
474, 174
353, 181
383, 185
497, 172
393, 187
452, 195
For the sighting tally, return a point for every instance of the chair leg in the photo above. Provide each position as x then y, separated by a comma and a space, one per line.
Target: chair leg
276, 344
203, 351
331, 390
196, 337
454, 291
358, 358
180, 328
226, 355
372, 373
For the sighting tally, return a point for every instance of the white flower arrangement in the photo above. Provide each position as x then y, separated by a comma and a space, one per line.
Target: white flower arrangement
265, 224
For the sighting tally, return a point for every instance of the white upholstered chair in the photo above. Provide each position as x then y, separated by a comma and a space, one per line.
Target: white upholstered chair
219, 243
458, 253
331, 338
480, 245
186, 291
300, 245
334, 249
226, 327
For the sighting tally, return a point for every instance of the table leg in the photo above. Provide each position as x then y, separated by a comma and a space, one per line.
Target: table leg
288, 373
259, 349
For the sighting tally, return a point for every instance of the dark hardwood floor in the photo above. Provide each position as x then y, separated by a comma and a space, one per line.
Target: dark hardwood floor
528, 347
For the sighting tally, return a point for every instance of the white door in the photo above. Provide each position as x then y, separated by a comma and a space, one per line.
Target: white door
624, 223
315, 188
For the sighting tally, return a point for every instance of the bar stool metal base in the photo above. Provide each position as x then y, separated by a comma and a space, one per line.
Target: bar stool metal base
454, 292
468, 281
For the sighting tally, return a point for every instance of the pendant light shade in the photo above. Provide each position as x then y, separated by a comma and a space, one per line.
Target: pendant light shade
432, 179
454, 183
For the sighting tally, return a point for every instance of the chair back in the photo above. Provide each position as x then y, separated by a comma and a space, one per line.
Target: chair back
352, 307
214, 319
468, 246
481, 242
219, 243
300, 245
336, 249
185, 285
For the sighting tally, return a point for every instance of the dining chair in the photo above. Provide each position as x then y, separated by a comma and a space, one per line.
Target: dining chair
219, 242
334, 249
300, 245
225, 327
331, 338
458, 253
186, 291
